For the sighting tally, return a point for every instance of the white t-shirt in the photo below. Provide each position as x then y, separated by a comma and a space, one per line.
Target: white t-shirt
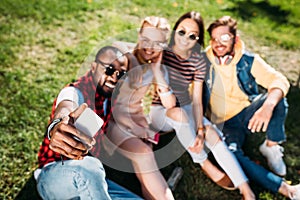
72, 94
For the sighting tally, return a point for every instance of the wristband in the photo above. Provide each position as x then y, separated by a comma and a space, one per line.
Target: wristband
51, 126
165, 94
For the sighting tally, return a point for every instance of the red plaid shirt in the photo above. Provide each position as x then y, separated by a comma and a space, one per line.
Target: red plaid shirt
94, 99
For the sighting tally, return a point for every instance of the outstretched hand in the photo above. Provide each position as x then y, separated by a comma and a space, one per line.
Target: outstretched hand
261, 118
67, 140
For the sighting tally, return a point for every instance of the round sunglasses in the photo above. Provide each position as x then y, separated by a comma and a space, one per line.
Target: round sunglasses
191, 36
223, 39
110, 69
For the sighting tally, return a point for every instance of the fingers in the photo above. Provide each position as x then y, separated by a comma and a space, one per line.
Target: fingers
197, 146
76, 113
90, 141
254, 125
257, 125
65, 133
251, 126
63, 141
265, 126
77, 155
67, 146
72, 131
260, 120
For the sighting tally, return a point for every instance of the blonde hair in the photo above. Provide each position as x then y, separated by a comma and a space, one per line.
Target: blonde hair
157, 22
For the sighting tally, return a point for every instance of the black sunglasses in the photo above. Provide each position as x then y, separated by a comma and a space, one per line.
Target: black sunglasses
110, 69
191, 36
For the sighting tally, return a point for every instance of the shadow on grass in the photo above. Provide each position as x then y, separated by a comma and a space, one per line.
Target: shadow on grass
291, 146
29, 191
129, 180
249, 9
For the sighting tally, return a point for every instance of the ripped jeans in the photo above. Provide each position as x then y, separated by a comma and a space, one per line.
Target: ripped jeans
79, 179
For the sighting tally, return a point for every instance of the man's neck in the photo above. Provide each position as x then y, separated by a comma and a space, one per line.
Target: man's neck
224, 60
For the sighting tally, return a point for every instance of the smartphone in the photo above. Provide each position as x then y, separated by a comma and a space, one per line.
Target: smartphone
88, 122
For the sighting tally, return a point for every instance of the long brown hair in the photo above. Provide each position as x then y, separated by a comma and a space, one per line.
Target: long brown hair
198, 19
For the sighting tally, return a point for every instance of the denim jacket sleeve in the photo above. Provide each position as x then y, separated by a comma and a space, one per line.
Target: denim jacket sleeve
246, 81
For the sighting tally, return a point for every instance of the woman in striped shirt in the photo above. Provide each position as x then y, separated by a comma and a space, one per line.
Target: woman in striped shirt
187, 66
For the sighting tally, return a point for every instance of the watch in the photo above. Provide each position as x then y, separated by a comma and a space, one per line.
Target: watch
51, 126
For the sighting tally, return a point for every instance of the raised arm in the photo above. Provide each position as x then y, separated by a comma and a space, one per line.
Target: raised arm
165, 93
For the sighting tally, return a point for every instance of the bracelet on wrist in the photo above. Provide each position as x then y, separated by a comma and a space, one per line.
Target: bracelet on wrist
52, 125
203, 129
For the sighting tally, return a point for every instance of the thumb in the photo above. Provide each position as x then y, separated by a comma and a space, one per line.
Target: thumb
76, 113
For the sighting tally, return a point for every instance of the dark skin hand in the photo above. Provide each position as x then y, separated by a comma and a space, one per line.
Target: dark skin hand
62, 135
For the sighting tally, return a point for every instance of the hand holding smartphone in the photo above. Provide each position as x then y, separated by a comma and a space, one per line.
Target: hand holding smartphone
88, 122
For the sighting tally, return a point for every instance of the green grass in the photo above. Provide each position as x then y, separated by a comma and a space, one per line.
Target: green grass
44, 45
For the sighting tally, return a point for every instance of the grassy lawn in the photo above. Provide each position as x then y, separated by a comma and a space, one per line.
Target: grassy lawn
45, 44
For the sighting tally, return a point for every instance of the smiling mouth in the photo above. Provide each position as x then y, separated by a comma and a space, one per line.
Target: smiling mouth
148, 51
220, 47
107, 84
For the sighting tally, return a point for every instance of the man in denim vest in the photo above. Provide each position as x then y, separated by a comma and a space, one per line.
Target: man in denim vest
238, 108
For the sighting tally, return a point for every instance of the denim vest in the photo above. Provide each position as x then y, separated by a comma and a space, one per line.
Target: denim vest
246, 81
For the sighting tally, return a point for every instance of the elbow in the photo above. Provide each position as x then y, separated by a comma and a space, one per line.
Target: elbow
170, 105
168, 102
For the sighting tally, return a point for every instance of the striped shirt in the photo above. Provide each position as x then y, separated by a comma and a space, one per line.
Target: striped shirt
182, 72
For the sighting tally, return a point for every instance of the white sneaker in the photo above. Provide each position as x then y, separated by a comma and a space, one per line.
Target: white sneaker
274, 156
296, 194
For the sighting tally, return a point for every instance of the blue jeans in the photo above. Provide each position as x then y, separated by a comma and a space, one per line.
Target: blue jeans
235, 131
79, 179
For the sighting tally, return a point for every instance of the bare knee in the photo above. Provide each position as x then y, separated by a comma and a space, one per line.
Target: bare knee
177, 114
212, 136
144, 159
140, 154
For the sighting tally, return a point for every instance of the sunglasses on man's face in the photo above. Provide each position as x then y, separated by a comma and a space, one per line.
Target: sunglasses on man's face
191, 36
110, 69
223, 39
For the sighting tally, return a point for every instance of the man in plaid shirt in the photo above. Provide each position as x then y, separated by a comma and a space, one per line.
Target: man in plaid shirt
69, 167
